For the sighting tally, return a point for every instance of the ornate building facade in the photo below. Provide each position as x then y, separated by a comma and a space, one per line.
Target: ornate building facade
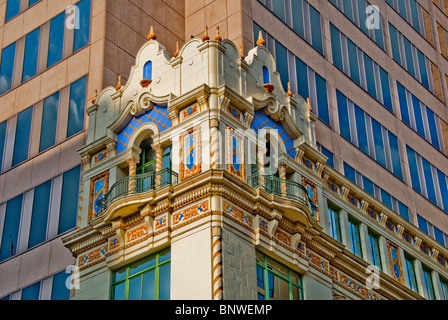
202, 179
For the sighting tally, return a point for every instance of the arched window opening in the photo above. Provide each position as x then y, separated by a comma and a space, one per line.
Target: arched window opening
147, 70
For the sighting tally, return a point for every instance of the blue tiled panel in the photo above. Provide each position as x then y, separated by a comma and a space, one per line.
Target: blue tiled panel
158, 115
261, 120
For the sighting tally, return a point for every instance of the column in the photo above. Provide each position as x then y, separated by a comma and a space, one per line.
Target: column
214, 144
159, 164
132, 162
260, 163
217, 262
282, 174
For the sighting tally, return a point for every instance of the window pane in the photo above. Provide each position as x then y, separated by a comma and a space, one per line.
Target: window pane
69, 200
344, 124
404, 212
385, 86
31, 292
49, 122
279, 9
31, 55
378, 140
443, 189
322, 99
362, 15
302, 75
119, 291
142, 265
368, 186
336, 47
349, 172
438, 235
23, 131
281, 57
56, 42
149, 285
7, 68
135, 288
429, 181
418, 116
386, 199
12, 9
394, 42
403, 104
361, 129
41, 204
164, 282
429, 284
11, 228
433, 128
423, 70
2, 141
412, 278
82, 35
60, 290
297, 17
370, 78
77, 107
316, 32
395, 155
330, 157
422, 224
284, 289
413, 170
414, 13
353, 60
408, 54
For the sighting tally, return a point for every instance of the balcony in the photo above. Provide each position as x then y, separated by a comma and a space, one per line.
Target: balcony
283, 188
137, 184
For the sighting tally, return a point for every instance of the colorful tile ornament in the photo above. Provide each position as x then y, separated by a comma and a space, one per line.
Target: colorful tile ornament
190, 213
93, 256
158, 115
99, 186
235, 154
395, 261
261, 120
190, 153
238, 214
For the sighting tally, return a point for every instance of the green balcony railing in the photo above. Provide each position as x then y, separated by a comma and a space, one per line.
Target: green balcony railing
137, 184
283, 188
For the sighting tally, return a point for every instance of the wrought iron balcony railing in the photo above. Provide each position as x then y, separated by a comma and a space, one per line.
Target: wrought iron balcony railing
283, 188
137, 184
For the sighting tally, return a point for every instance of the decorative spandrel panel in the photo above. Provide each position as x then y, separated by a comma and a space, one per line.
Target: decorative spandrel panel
395, 261
190, 154
235, 154
99, 186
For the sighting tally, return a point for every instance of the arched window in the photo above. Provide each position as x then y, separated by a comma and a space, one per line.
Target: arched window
147, 70
147, 157
266, 75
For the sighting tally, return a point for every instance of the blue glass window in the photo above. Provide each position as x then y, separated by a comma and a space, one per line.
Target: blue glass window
281, 57
409, 59
334, 221
404, 211
386, 199
353, 60
443, 189
438, 235
355, 237
7, 67
56, 41
429, 283
348, 11
2, 141
385, 86
11, 228
316, 32
39, 218
361, 129
414, 14
362, 15
59, 290
418, 116
279, 9
82, 35
370, 77
297, 17
322, 99
344, 124
329, 155
147, 70
422, 224
412, 160
302, 75
429, 181
22, 140
423, 71
368, 186
12, 9
31, 55
433, 128
378, 141
395, 156
77, 107
349, 173
336, 47
69, 200
394, 43
403, 104
402, 9
412, 277
375, 250
49, 122
32, 292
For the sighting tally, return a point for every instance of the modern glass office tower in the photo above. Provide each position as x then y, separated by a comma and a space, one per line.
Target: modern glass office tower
378, 91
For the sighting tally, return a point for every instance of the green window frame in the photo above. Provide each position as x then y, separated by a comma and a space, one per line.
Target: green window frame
146, 279
275, 281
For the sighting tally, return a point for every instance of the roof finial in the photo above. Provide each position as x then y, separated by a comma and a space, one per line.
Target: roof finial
260, 41
241, 52
95, 95
118, 87
289, 90
218, 36
205, 37
151, 35
177, 50
309, 104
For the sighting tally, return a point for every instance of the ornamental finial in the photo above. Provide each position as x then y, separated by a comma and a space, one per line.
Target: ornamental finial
289, 90
177, 50
260, 41
118, 87
205, 37
151, 35
241, 52
218, 36
95, 95
308, 101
